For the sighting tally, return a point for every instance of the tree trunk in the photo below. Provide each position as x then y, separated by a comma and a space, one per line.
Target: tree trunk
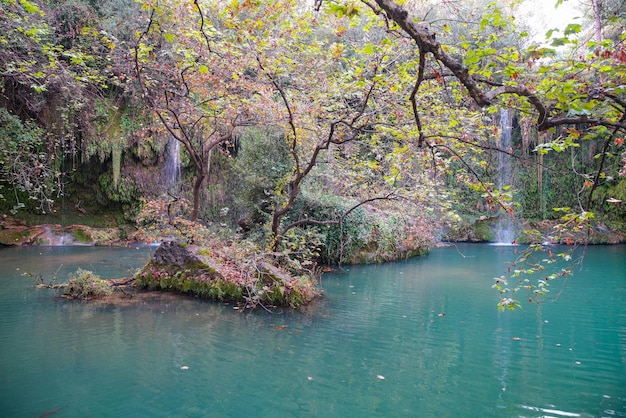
597, 20
197, 188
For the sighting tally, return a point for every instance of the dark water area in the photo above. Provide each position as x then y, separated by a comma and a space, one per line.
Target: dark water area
420, 338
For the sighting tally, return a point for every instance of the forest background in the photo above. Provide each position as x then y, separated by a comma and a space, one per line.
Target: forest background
326, 131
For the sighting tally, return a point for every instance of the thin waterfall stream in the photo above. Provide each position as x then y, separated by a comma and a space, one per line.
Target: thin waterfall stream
171, 172
504, 229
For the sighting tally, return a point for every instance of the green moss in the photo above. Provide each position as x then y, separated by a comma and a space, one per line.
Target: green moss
483, 231
209, 286
267, 289
12, 237
82, 236
85, 284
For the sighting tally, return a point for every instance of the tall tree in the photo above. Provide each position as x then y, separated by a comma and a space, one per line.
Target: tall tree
189, 73
579, 93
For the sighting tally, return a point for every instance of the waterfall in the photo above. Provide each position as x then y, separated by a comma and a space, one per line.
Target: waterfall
504, 231
55, 237
171, 171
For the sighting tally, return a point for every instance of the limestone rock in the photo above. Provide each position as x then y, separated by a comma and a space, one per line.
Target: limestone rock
173, 253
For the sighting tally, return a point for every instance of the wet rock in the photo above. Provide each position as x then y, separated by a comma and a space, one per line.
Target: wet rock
173, 253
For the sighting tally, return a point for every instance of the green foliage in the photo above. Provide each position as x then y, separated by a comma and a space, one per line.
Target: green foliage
249, 284
556, 188
57, 64
293, 116
84, 284
25, 165
125, 191
260, 166
332, 243
364, 236
609, 203
535, 269
164, 218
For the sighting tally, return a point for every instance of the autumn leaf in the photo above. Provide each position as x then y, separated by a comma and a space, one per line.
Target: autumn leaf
574, 133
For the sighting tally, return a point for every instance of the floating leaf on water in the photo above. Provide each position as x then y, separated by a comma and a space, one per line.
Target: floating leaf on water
380, 376
184, 368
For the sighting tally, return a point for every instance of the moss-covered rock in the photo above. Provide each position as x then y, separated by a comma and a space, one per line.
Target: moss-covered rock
15, 232
478, 230
199, 271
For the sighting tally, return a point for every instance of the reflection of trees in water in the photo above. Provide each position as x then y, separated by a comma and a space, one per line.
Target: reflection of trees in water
503, 348
59, 262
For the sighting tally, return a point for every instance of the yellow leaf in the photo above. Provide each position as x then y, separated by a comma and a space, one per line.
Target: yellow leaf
574, 133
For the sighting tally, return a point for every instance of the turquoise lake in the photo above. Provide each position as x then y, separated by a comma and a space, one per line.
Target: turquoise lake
420, 338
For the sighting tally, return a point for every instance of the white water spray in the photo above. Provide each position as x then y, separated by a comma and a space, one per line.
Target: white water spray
504, 231
171, 172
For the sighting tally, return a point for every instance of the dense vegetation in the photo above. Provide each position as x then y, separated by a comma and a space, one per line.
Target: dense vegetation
344, 131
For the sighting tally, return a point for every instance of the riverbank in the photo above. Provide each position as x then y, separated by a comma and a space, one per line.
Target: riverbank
16, 232
484, 230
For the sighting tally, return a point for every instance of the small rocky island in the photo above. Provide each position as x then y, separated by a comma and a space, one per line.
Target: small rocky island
209, 273
246, 280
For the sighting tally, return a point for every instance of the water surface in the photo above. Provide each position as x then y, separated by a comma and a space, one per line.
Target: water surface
417, 338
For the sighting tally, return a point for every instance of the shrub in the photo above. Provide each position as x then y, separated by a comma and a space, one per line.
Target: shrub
84, 284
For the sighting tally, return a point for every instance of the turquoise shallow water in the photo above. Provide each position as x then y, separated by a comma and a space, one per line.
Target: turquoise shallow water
420, 338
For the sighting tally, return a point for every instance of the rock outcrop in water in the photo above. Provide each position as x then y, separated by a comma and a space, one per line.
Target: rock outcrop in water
249, 280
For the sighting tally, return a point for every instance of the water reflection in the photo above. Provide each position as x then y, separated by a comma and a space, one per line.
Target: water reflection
428, 326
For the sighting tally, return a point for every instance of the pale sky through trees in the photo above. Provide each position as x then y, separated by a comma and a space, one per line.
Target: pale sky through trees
541, 16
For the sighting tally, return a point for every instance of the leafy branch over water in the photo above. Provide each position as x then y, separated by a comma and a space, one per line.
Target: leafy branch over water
535, 267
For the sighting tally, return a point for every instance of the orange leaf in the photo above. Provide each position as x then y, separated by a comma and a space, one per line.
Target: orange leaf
574, 133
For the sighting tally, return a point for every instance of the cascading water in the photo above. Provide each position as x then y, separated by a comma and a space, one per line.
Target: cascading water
504, 231
171, 172
55, 238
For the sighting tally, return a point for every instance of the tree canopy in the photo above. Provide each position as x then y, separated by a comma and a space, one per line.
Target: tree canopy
307, 115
